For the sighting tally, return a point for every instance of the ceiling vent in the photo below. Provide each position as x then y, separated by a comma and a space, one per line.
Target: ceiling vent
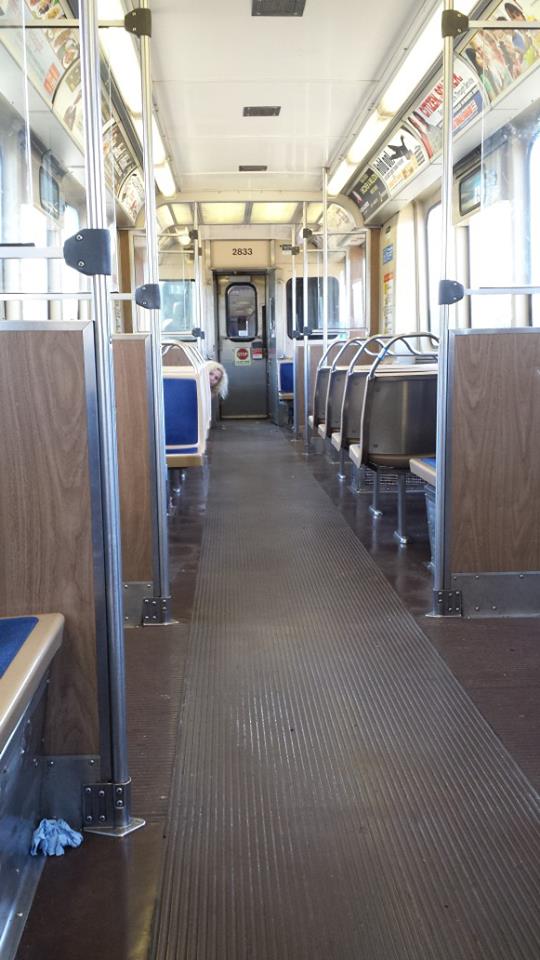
277, 8
252, 168
262, 111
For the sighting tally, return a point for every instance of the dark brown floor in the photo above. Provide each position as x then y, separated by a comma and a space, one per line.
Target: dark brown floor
108, 887
496, 661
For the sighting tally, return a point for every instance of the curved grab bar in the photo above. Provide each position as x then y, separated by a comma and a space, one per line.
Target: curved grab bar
347, 343
335, 343
403, 338
365, 346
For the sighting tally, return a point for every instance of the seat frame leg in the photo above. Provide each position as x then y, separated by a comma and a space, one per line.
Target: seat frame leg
341, 470
401, 533
374, 507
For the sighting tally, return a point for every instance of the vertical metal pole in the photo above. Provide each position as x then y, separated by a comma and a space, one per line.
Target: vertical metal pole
305, 321
296, 389
197, 271
325, 260
441, 572
95, 192
162, 587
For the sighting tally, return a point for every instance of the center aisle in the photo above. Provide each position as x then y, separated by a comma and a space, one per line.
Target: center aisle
336, 796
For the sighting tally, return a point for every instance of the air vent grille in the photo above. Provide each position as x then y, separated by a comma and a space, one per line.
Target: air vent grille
277, 8
252, 168
262, 111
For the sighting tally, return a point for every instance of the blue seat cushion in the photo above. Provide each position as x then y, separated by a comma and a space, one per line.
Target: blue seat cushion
286, 378
181, 414
13, 632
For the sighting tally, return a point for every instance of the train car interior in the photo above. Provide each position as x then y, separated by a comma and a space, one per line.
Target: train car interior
269, 509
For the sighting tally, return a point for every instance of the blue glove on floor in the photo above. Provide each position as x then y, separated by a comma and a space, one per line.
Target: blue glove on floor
52, 836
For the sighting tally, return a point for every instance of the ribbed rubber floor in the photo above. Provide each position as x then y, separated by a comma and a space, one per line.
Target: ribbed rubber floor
337, 796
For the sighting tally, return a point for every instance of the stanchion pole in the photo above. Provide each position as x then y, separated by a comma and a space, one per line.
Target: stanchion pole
162, 587
306, 329
119, 822
440, 582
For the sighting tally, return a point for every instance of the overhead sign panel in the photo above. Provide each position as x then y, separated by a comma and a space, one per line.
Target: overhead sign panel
427, 116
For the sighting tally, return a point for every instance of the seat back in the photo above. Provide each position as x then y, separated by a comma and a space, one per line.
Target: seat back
286, 375
399, 418
185, 415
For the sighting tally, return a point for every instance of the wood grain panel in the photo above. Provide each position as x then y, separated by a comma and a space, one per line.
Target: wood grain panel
135, 468
46, 551
125, 280
315, 353
495, 474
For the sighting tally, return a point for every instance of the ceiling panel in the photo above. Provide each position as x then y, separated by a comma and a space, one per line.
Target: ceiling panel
210, 59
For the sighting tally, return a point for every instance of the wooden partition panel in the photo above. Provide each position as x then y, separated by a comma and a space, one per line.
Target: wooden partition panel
315, 354
136, 471
47, 555
495, 451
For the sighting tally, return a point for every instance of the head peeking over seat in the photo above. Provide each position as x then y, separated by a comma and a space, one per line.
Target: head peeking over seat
219, 381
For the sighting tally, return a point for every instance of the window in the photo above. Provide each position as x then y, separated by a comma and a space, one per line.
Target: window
241, 307
534, 207
491, 259
434, 257
315, 306
177, 306
70, 281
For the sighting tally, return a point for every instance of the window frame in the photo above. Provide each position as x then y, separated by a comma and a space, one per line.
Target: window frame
241, 283
317, 334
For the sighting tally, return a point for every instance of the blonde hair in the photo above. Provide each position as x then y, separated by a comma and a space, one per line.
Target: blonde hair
220, 389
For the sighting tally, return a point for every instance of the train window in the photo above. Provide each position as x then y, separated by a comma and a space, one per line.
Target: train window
405, 290
178, 305
34, 273
434, 256
315, 310
241, 311
534, 206
491, 260
71, 281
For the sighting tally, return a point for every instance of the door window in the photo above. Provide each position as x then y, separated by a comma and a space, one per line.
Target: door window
241, 311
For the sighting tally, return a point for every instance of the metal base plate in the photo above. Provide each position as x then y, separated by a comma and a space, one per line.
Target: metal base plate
499, 594
135, 823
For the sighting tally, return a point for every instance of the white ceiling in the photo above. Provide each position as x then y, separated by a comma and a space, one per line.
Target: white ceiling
211, 58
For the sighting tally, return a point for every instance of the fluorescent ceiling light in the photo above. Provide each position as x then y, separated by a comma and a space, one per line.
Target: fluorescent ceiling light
164, 180
182, 213
160, 154
273, 212
165, 217
223, 212
121, 54
420, 58
314, 212
339, 177
368, 136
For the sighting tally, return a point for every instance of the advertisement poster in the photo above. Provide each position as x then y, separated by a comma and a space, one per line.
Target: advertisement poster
131, 194
369, 192
119, 160
68, 103
388, 303
500, 57
49, 53
427, 117
400, 160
